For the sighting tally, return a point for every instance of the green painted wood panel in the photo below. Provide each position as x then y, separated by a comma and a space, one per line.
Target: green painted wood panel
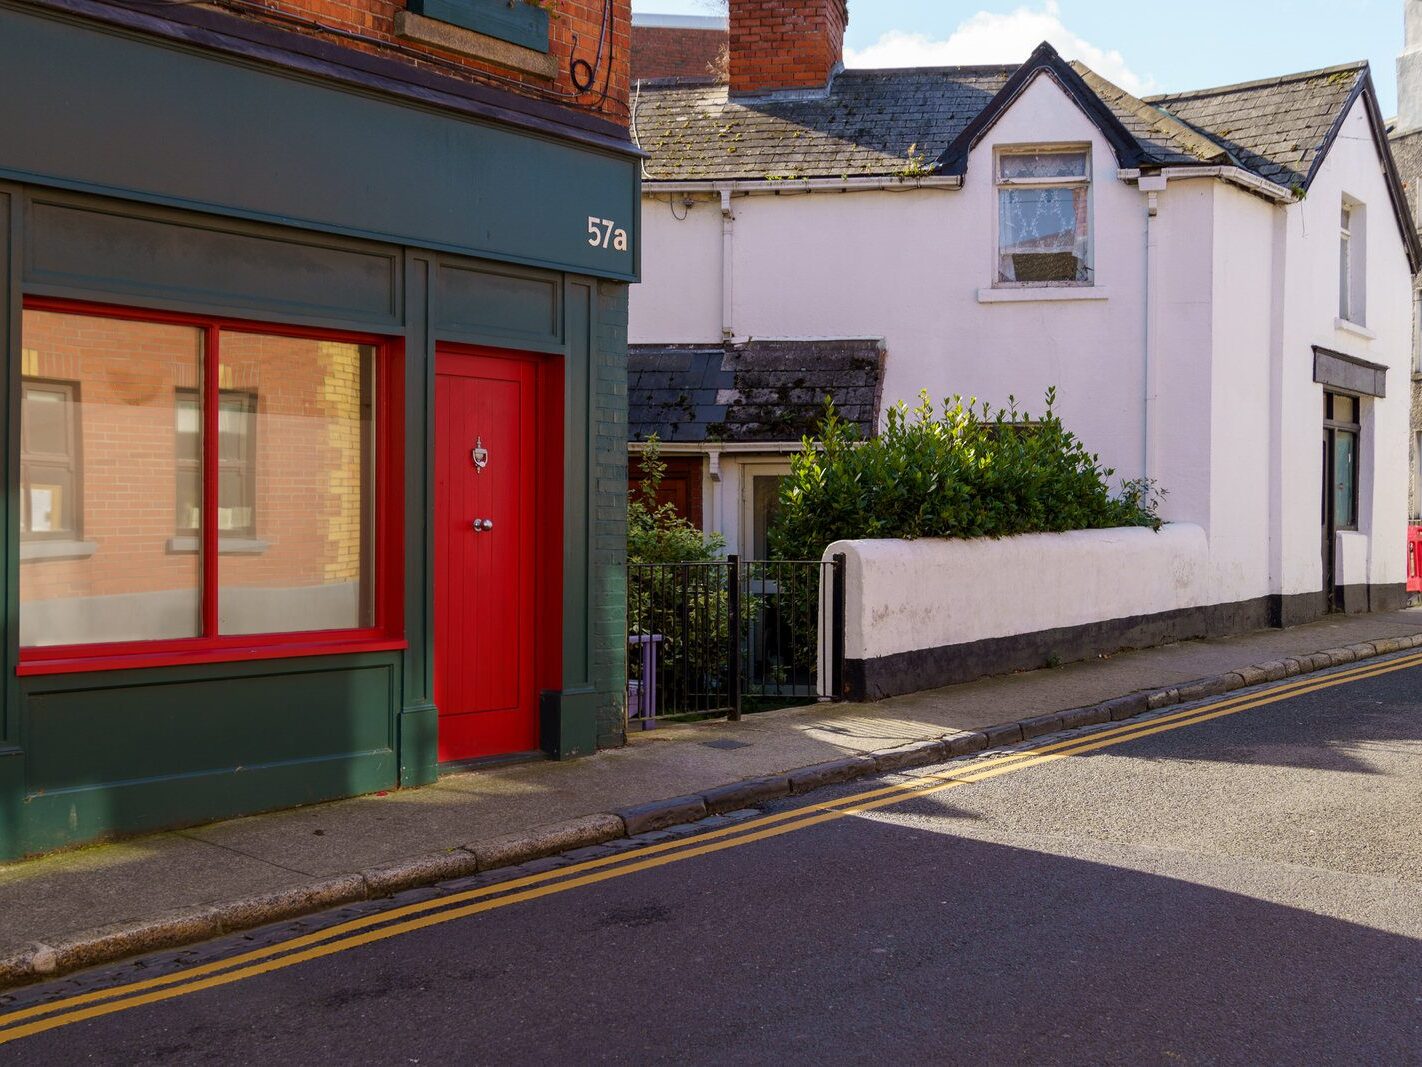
520, 307
578, 488
10, 317
81, 243
201, 130
87, 732
53, 820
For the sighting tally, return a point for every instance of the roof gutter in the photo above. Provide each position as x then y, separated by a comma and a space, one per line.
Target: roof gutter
780, 186
687, 448
1235, 175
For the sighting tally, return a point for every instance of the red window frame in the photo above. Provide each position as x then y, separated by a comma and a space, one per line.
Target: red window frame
388, 632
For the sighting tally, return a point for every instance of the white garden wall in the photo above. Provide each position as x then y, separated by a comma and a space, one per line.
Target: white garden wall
931, 612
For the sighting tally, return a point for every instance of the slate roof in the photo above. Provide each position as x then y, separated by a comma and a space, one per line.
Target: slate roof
752, 391
869, 124
907, 123
1275, 128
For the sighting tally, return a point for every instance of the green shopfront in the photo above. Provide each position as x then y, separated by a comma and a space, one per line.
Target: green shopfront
315, 410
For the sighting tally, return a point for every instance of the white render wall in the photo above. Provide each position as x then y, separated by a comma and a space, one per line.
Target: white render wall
1244, 288
1310, 306
1075, 580
907, 266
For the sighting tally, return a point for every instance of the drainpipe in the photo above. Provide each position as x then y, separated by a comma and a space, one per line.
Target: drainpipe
728, 220
1152, 185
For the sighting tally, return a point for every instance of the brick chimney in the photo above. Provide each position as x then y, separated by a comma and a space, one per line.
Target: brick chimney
1409, 71
677, 46
785, 44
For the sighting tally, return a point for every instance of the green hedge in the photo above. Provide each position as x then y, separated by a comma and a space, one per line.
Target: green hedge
970, 472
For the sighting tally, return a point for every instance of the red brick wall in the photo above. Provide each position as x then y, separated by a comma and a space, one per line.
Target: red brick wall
785, 44
574, 29
666, 52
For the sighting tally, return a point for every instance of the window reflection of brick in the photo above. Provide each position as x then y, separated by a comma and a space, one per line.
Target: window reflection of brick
311, 454
129, 373
309, 462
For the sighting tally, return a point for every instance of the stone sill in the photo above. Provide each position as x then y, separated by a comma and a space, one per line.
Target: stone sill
1032, 294
226, 546
37, 550
427, 31
1355, 329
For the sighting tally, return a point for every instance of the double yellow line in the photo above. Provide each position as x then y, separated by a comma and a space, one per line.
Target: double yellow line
410, 918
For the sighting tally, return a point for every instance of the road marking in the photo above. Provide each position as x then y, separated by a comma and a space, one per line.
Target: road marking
309, 947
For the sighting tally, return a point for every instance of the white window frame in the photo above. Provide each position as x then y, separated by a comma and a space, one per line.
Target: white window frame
1416, 332
1353, 262
1083, 182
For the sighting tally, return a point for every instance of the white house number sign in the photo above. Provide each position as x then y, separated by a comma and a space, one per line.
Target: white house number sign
605, 233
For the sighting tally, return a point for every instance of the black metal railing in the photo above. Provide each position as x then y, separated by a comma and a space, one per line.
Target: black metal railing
733, 635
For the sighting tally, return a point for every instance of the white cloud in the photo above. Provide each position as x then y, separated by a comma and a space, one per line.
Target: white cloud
994, 38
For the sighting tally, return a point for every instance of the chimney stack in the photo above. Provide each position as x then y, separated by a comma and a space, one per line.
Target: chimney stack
785, 44
1409, 72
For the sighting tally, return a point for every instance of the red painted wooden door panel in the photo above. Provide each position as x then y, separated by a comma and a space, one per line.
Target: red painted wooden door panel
484, 576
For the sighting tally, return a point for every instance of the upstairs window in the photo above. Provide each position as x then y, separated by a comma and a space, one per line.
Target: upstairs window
1352, 263
1044, 224
1417, 333
521, 22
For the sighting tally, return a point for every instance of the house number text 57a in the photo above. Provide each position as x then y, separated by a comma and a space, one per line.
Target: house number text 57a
604, 233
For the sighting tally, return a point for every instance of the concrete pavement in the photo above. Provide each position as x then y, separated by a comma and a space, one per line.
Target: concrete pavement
171, 888
1215, 889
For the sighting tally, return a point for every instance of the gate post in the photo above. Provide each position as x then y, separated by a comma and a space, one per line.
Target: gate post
837, 627
733, 634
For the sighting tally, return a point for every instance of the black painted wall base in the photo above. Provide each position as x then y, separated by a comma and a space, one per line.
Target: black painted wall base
930, 668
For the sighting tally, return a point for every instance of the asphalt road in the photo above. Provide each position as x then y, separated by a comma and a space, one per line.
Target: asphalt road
1246, 889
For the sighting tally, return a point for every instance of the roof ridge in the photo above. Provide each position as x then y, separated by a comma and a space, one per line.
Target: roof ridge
949, 68
1196, 142
1356, 67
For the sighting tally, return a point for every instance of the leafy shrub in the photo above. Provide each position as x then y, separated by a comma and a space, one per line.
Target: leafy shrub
655, 532
970, 472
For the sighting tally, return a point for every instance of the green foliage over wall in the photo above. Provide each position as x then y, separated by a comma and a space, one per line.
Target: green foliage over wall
970, 472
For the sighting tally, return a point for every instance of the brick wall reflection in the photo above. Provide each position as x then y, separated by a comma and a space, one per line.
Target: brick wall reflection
128, 570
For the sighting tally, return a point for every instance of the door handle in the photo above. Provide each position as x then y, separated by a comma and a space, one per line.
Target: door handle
483, 525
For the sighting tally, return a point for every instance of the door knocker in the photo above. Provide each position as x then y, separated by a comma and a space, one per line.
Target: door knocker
481, 455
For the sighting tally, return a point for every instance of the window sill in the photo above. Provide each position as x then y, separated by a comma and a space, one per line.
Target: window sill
411, 25
226, 546
37, 550
1032, 294
1355, 329
232, 654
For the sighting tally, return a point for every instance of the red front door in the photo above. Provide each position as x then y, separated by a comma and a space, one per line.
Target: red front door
485, 535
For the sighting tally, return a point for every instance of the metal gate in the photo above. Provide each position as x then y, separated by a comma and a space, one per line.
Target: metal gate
733, 635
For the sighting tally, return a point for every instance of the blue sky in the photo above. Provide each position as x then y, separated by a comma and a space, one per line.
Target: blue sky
1145, 48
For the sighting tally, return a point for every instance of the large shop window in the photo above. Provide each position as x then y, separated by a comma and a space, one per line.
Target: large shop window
223, 479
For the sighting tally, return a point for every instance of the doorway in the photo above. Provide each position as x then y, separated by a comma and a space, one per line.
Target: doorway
497, 592
1341, 430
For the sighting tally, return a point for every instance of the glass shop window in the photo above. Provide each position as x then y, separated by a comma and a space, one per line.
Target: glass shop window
314, 468
130, 429
1044, 218
96, 469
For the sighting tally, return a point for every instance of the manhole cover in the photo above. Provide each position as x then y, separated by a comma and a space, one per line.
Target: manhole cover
726, 742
